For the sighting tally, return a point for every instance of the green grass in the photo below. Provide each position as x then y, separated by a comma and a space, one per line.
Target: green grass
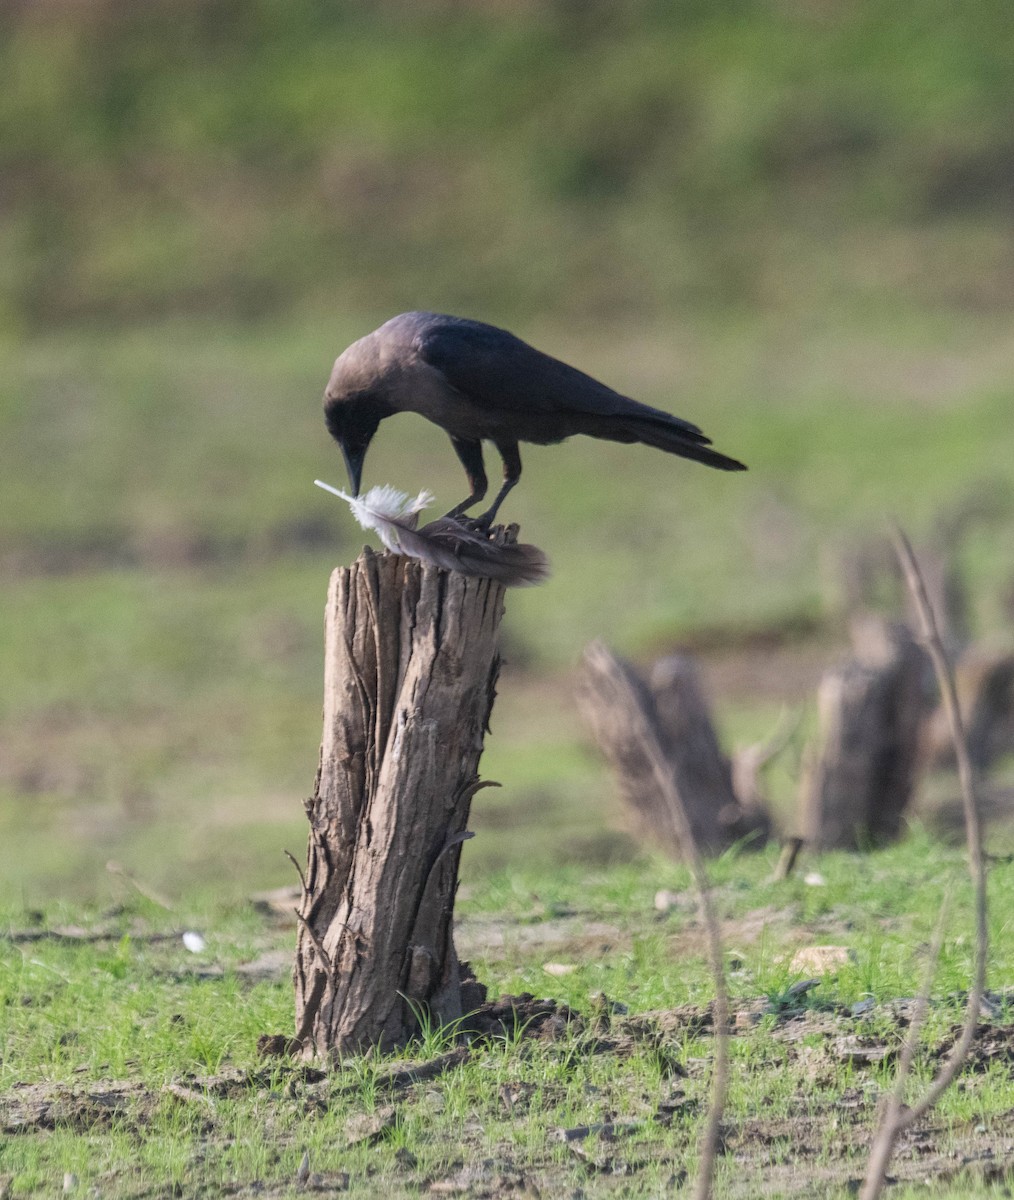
259, 159
167, 561
786, 223
142, 1014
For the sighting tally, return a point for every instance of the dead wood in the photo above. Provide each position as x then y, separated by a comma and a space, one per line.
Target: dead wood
748, 762
897, 1116
787, 859
616, 702
411, 663
859, 776
627, 698
984, 681
73, 934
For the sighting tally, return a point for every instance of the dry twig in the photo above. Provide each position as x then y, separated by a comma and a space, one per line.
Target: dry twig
685, 838
897, 1117
720, 1071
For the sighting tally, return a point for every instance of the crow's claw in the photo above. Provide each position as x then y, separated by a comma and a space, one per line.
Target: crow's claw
474, 524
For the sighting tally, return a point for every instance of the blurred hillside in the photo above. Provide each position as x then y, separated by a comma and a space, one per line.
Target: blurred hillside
583, 157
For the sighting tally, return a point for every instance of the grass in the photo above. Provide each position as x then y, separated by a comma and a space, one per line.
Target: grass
149, 1021
253, 161
161, 650
166, 561
786, 223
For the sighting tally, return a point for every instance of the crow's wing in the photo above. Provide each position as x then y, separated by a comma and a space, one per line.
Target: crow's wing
499, 372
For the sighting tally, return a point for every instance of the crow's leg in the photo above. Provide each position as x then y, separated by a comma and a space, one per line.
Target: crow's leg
511, 474
470, 454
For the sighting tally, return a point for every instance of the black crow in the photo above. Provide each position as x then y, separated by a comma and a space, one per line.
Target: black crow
479, 382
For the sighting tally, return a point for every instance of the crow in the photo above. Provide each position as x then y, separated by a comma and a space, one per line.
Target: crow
478, 382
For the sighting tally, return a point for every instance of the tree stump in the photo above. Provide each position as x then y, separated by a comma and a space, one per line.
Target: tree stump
984, 679
861, 772
411, 663
673, 704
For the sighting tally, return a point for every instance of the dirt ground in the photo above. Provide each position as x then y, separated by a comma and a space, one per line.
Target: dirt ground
774, 1155
818, 1148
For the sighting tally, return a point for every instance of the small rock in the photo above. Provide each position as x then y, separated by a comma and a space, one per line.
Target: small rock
821, 960
194, 942
555, 968
370, 1127
851, 1049
69, 1181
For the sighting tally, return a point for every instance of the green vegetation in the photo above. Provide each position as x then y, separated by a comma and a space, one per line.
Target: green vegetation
789, 222
146, 1054
596, 160
168, 556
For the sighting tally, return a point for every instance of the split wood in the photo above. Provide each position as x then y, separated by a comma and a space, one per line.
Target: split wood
411, 663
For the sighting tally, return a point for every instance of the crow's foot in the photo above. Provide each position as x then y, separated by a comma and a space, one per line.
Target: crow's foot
473, 524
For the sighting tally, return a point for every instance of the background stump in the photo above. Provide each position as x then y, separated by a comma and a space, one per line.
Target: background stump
861, 771
615, 702
411, 664
984, 679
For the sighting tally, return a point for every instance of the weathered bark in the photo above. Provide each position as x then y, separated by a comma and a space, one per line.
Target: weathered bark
866, 579
672, 702
411, 663
984, 679
861, 772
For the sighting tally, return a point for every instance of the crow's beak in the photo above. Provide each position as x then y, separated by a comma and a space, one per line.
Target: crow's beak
354, 457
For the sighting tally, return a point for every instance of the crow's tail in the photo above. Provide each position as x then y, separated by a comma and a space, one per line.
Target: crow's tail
675, 440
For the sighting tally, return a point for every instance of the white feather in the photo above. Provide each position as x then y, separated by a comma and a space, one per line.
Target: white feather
385, 510
445, 542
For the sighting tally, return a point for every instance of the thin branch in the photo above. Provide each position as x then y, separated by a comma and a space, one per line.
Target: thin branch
898, 1118
322, 956
684, 833
973, 829
890, 1124
311, 1008
299, 869
720, 1071
750, 761
761, 753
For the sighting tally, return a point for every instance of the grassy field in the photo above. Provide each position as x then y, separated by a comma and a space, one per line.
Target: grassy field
161, 650
503, 160
166, 559
131, 1064
789, 223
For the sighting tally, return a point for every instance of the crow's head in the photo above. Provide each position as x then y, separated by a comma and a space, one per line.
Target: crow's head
352, 421
354, 405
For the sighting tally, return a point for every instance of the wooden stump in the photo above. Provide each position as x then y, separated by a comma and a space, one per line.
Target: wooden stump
411, 663
861, 772
984, 678
673, 704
